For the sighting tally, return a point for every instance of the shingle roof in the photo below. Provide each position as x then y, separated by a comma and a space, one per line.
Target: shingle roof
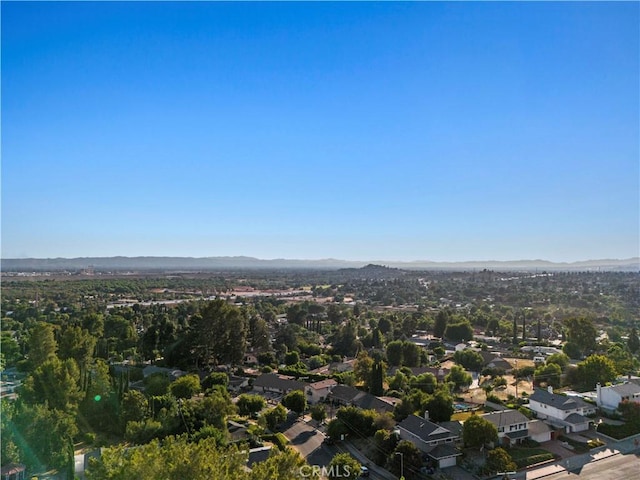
330, 382
538, 426
561, 402
626, 389
576, 418
444, 451
353, 396
505, 417
425, 429
273, 380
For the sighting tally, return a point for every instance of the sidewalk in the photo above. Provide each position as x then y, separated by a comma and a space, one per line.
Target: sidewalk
573, 463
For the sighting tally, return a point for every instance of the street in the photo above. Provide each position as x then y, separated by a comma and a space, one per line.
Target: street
613, 468
309, 443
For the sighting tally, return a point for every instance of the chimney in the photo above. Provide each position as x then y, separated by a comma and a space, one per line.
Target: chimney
550, 389
426, 414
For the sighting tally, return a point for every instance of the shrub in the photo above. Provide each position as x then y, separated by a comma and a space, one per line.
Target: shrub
533, 459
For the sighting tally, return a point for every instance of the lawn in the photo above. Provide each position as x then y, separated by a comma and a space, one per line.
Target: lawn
462, 416
529, 456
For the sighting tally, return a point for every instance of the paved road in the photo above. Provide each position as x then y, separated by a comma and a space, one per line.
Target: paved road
617, 467
309, 442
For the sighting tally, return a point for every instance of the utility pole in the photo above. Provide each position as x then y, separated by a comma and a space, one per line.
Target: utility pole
516, 375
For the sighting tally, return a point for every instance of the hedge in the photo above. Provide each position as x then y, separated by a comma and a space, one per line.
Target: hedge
278, 439
533, 459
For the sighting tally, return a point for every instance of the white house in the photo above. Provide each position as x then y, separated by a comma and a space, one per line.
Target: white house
512, 426
610, 397
561, 411
435, 440
539, 431
319, 391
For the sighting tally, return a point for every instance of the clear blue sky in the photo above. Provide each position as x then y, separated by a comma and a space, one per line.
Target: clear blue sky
386, 131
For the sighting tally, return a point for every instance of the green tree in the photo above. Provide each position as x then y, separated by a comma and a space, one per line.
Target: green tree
633, 342
43, 435
291, 358
215, 378
218, 334
440, 406
78, 344
249, 404
549, 374
258, 334
156, 384
42, 345
54, 382
282, 465
499, 460
394, 353
441, 321
175, 458
185, 387
318, 412
427, 382
581, 332
362, 368
134, 407
398, 382
406, 459
459, 377
385, 443
344, 466
477, 431
410, 354
595, 369
275, 416
143, 431
10, 348
560, 359
469, 359
295, 401
375, 386
460, 331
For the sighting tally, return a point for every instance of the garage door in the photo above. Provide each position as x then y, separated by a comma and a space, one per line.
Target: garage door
447, 462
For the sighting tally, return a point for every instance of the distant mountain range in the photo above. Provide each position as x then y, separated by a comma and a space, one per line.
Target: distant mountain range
250, 263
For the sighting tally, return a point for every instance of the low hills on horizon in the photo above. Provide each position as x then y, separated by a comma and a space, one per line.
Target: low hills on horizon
120, 263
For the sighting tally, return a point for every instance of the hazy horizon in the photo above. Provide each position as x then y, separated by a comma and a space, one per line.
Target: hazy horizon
419, 131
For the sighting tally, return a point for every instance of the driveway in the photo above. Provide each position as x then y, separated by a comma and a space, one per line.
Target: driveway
555, 446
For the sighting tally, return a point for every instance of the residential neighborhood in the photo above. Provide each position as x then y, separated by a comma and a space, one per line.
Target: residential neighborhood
416, 394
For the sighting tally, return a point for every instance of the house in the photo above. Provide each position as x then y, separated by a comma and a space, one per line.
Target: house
237, 384
539, 431
237, 431
512, 426
319, 391
250, 359
259, 454
560, 410
345, 395
172, 373
608, 398
272, 382
435, 440
493, 360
